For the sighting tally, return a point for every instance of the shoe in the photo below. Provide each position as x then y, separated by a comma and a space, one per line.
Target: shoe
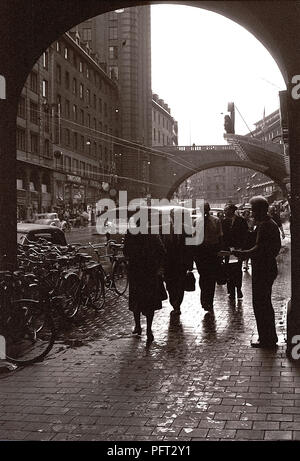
239, 294
137, 331
208, 308
260, 345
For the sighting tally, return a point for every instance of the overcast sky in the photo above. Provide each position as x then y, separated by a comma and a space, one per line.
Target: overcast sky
200, 62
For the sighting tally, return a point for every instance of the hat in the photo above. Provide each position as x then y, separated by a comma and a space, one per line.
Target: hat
231, 206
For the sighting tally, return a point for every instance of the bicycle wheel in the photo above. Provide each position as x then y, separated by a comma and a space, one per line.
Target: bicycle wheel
29, 332
69, 296
120, 276
100, 299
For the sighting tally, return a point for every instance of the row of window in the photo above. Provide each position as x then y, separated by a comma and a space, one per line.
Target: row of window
66, 110
157, 136
82, 144
32, 144
81, 66
34, 113
157, 116
86, 170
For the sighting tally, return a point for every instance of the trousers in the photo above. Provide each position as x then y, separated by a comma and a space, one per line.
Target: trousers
262, 282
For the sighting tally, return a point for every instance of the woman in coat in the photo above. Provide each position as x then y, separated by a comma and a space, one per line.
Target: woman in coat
145, 253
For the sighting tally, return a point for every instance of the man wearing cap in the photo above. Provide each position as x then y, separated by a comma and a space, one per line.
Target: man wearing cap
206, 259
235, 232
264, 271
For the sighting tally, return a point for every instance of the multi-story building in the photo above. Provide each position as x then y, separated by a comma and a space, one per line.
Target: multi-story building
122, 40
251, 183
216, 185
68, 117
164, 127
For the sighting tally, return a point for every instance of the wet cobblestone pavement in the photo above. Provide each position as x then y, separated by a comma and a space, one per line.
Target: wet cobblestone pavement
198, 380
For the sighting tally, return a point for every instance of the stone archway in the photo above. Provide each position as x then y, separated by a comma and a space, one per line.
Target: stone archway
276, 25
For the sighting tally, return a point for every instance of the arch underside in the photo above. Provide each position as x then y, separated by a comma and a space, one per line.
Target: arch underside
216, 164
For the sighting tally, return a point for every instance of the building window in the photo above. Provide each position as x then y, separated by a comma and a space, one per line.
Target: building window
47, 148
82, 168
114, 72
45, 89
67, 163
22, 107
113, 52
81, 116
33, 112
67, 136
58, 73
34, 82
47, 119
45, 60
87, 72
154, 134
80, 66
113, 33
100, 105
82, 143
66, 53
74, 86
95, 101
75, 140
88, 120
67, 108
81, 91
74, 112
87, 35
34, 143
67, 80
21, 139
88, 96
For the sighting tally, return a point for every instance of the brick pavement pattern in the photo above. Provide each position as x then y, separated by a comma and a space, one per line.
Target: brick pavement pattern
198, 380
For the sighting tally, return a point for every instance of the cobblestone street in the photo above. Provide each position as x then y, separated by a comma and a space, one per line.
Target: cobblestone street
198, 380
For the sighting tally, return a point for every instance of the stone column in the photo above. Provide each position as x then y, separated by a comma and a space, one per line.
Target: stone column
293, 321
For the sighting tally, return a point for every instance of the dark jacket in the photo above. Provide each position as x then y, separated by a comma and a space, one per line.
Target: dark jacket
235, 234
146, 255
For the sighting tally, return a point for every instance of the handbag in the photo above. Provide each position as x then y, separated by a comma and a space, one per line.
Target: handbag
189, 281
163, 295
222, 274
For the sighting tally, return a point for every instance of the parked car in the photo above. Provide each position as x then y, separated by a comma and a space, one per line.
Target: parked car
28, 233
48, 219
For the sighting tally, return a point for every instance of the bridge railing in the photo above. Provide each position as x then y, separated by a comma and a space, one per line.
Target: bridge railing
201, 148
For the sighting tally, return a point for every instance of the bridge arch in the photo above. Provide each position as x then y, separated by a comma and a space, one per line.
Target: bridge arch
249, 165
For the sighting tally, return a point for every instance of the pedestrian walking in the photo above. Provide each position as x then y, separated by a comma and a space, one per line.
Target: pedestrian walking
264, 271
206, 258
178, 261
235, 232
145, 253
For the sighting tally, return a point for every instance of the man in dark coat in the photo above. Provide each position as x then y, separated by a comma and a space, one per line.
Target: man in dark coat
235, 232
264, 271
178, 261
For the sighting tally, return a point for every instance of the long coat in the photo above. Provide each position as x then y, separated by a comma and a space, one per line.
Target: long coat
145, 254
